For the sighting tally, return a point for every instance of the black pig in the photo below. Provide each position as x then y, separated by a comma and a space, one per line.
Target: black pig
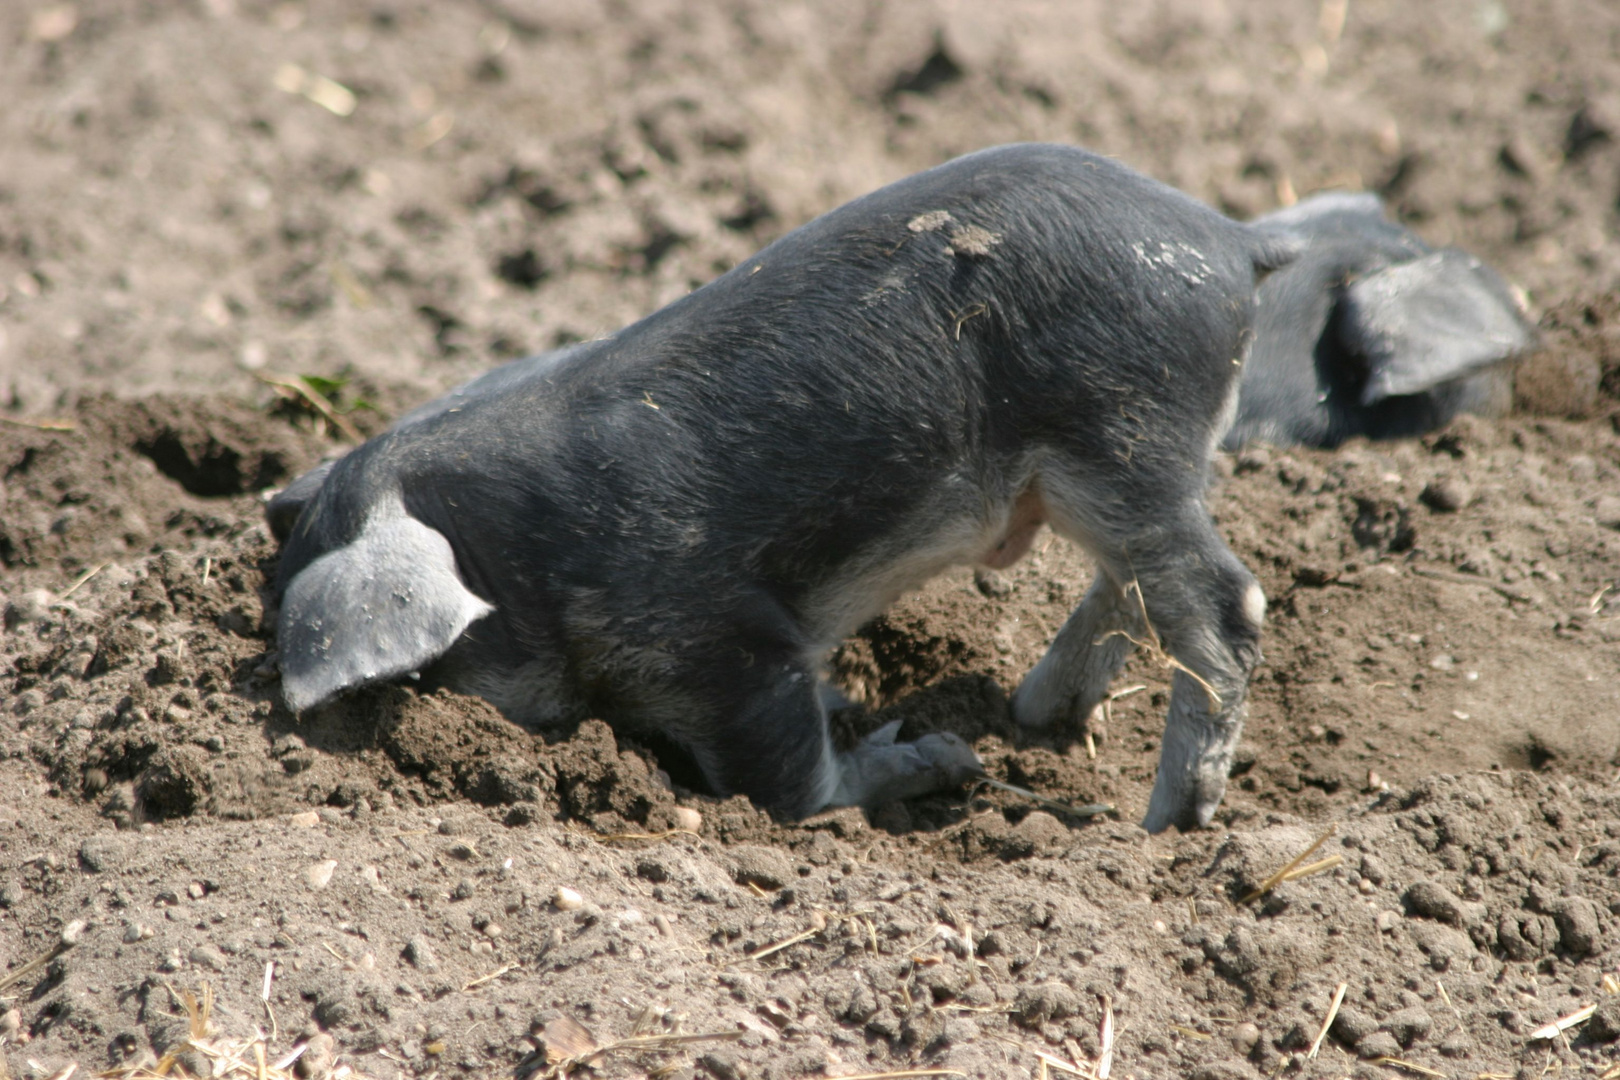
672, 526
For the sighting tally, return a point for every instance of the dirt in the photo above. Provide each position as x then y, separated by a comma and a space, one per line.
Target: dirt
436, 892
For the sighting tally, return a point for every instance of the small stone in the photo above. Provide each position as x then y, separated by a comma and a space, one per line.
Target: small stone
10, 1022
132, 933
1435, 901
306, 820
319, 875
1036, 1005
722, 1066
566, 899
1352, 1025
73, 931
1578, 929
103, 852
1455, 1045
208, 956
1408, 1025
1605, 1023
196, 890
30, 606
493, 930
1388, 920
1606, 512
687, 818
464, 889
1446, 495
419, 952
1378, 1044
317, 1057
765, 867
1222, 1070
1244, 1036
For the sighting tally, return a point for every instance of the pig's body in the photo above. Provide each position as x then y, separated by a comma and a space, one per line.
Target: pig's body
671, 527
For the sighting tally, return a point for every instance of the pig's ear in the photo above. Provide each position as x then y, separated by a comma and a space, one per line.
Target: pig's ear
1422, 323
384, 605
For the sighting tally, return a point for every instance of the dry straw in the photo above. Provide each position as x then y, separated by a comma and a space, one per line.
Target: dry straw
1294, 870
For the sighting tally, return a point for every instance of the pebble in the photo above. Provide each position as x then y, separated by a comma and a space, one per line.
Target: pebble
306, 820
10, 1022
419, 951
1446, 495
208, 956
317, 1057
1244, 1036
687, 818
1607, 511
30, 606
319, 875
196, 890
73, 931
102, 852
567, 899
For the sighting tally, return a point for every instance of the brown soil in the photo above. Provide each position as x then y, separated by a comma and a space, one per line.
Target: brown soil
1442, 674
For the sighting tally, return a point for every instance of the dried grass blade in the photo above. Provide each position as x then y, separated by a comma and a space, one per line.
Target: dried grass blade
1314, 868
1105, 1060
785, 943
1564, 1023
1055, 1062
1332, 1014
491, 977
900, 1075
1409, 1066
51, 424
1282, 875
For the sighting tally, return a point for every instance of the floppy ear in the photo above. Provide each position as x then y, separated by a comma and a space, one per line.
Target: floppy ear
1422, 323
386, 604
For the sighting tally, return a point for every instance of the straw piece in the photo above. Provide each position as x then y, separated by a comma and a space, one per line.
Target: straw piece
81, 579
899, 1075
1409, 1066
1332, 1014
785, 943
1282, 875
491, 977
40, 425
1559, 1026
1105, 1060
